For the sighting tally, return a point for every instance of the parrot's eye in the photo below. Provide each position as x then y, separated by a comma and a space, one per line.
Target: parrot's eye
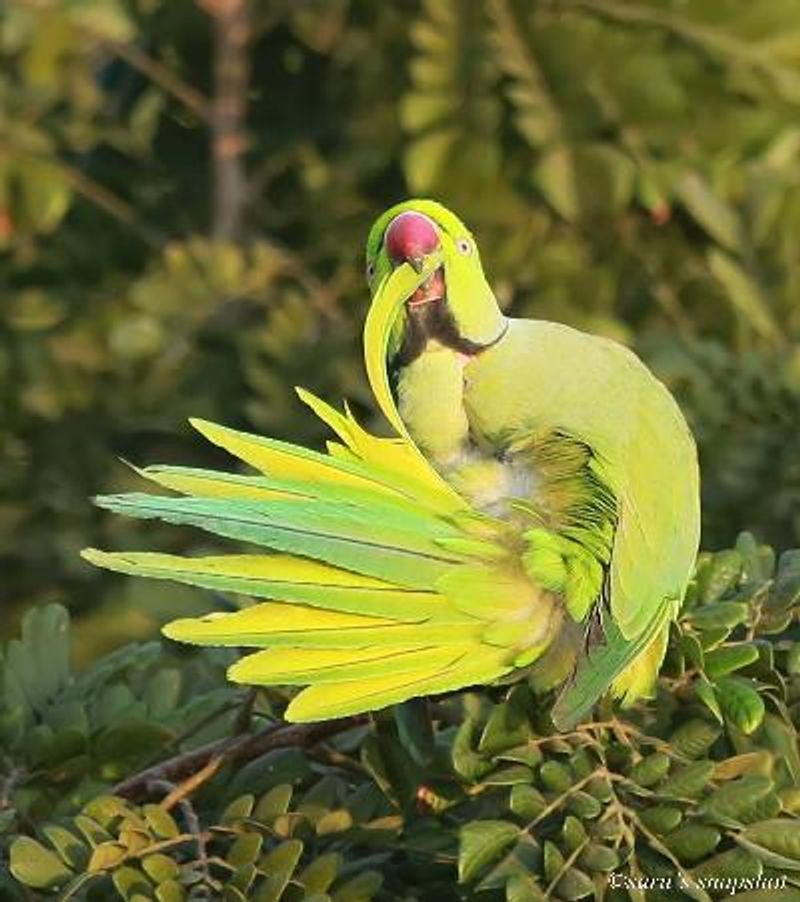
464, 246
370, 271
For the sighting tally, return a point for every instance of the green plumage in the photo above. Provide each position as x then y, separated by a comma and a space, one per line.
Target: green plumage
538, 512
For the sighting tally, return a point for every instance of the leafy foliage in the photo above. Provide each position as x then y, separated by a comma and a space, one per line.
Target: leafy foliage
259, 848
475, 796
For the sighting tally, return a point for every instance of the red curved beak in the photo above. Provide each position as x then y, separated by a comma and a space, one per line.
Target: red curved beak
409, 238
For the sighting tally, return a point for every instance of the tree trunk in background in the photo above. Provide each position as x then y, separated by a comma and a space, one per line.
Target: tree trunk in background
231, 22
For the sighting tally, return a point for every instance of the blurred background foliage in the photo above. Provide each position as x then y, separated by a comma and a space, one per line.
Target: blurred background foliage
185, 189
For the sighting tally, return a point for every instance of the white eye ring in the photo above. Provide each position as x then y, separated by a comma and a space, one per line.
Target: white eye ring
370, 271
464, 246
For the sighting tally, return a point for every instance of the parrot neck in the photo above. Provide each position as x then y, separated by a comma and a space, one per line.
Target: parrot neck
477, 316
466, 328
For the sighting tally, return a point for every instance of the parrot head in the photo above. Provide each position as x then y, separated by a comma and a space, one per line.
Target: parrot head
427, 283
452, 301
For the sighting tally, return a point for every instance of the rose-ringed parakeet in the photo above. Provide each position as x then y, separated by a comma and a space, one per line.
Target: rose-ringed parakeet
537, 513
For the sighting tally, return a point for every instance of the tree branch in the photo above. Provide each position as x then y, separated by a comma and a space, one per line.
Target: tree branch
209, 758
231, 20
161, 75
86, 186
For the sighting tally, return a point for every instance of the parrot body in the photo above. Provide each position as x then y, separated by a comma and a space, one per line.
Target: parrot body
537, 514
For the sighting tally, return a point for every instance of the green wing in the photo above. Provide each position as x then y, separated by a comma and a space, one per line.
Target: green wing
374, 581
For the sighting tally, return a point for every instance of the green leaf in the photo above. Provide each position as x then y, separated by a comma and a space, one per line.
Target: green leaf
731, 804
692, 842
238, 809
745, 295
415, 729
161, 868
661, 819
555, 776
555, 176
359, 888
759, 762
736, 864
480, 843
705, 692
553, 861
170, 891
132, 884
44, 194
782, 739
334, 822
279, 865
713, 637
107, 810
527, 802
786, 590
710, 211
36, 866
106, 18
776, 842
73, 852
523, 888
687, 782
508, 725
320, 874
273, 803
693, 650
574, 885
596, 858
508, 776
581, 764
793, 659
740, 703
572, 833
92, 831
529, 754
36, 666
720, 575
600, 789
525, 857
651, 769
582, 805
160, 821
728, 658
276, 767
694, 738
107, 856
125, 743
720, 615
467, 762
245, 850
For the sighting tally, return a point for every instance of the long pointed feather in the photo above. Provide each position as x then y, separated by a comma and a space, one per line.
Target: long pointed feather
283, 578
391, 457
357, 540
476, 666
234, 486
297, 667
284, 460
274, 623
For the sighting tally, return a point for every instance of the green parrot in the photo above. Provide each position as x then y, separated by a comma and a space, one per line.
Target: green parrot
537, 513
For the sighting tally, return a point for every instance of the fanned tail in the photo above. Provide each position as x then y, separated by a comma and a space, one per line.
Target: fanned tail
375, 581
